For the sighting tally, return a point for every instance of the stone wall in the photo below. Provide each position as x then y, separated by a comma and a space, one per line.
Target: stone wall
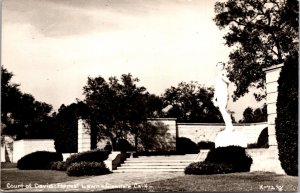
207, 131
27, 146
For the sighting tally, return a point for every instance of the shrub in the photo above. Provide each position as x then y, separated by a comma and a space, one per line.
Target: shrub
233, 155
206, 145
39, 160
58, 165
87, 169
204, 168
287, 115
88, 156
123, 145
186, 145
262, 141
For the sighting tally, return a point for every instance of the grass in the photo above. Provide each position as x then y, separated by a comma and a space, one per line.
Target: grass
14, 178
235, 182
8, 165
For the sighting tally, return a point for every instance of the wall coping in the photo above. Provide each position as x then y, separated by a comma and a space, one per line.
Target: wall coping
272, 67
34, 140
167, 119
223, 124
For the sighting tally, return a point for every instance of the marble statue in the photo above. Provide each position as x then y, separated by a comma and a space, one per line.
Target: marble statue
220, 98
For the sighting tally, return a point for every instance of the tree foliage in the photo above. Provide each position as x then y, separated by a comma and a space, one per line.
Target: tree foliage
66, 126
191, 102
21, 115
119, 107
287, 115
256, 116
262, 33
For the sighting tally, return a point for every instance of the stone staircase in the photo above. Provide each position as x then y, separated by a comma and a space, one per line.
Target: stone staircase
263, 160
172, 163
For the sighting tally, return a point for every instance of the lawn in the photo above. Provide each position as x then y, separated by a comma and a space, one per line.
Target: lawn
236, 182
14, 178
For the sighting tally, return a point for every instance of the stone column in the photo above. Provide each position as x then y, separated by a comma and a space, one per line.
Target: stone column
84, 137
272, 75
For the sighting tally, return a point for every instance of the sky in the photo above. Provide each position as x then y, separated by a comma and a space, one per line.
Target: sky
52, 46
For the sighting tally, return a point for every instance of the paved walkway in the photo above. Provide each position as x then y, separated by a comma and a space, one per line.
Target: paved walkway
104, 182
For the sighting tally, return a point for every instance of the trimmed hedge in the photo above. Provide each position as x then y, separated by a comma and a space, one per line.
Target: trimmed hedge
87, 169
206, 145
96, 155
262, 141
287, 115
186, 145
233, 155
123, 145
58, 165
204, 168
38, 160
222, 160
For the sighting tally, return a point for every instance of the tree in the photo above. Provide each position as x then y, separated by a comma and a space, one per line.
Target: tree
256, 116
263, 33
154, 136
21, 114
248, 115
118, 107
191, 102
286, 123
66, 126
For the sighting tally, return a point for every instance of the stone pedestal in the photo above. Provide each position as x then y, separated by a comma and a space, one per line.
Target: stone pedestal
229, 138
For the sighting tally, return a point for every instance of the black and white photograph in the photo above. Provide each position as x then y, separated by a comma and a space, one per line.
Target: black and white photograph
149, 95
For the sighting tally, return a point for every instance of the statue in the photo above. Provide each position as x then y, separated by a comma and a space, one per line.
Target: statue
220, 98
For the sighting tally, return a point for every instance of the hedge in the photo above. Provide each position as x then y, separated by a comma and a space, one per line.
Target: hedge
87, 169
287, 115
222, 160
204, 168
233, 155
96, 155
58, 165
38, 160
206, 145
186, 145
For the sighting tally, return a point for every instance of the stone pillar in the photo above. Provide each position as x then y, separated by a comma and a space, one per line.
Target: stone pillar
272, 75
84, 137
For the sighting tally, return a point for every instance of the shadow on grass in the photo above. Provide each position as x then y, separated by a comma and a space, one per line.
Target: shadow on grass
16, 179
235, 182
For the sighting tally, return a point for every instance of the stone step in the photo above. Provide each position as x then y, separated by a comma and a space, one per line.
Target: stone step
154, 167
157, 161
120, 170
156, 164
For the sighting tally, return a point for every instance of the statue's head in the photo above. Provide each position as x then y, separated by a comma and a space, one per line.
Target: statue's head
220, 65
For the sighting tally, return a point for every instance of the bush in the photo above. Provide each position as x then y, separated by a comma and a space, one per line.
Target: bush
262, 141
39, 160
186, 145
204, 168
206, 145
87, 169
232, 155
287, 115
88, 156
58, 165
123, 145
